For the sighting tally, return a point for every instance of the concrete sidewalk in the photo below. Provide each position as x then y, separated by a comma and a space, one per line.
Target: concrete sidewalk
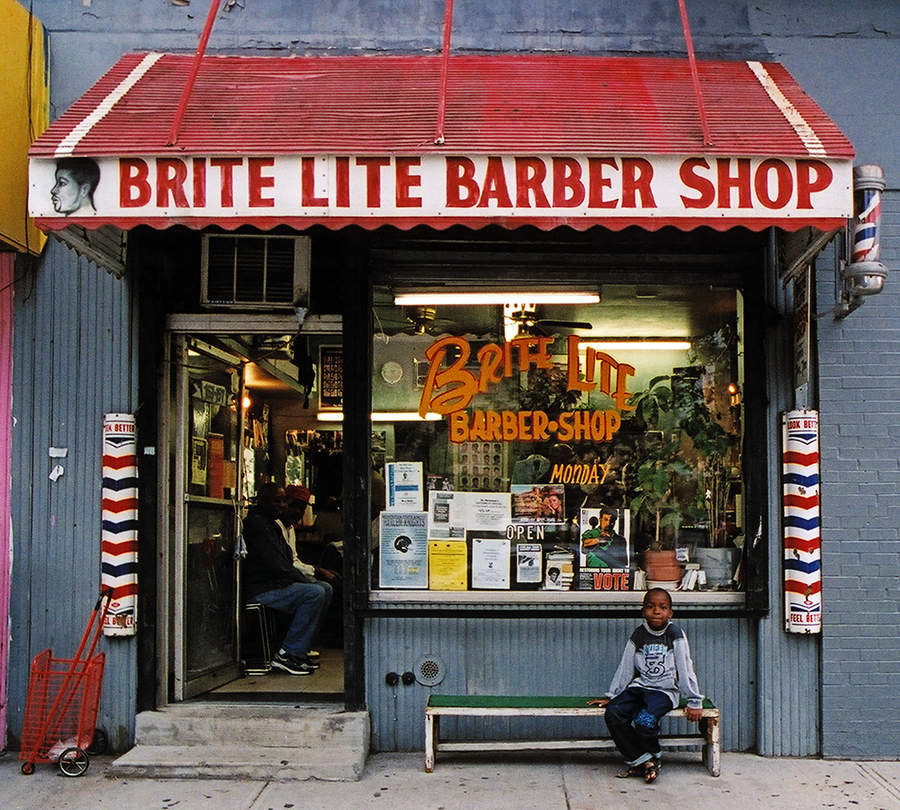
580, 781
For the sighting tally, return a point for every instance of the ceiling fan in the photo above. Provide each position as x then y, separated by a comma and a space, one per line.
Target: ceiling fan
421, 318
521, 319
412, 320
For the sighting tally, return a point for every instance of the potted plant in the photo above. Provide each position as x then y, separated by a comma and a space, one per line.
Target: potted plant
710, 451
682, 475
710, 447
657, 472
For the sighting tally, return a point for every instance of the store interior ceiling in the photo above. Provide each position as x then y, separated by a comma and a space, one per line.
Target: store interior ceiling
624, 312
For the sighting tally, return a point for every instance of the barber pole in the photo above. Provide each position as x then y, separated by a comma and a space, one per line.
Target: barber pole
120, 522
866, 237
802, 539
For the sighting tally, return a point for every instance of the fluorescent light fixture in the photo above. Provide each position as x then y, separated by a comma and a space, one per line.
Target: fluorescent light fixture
382, 416
458, 299
637, 344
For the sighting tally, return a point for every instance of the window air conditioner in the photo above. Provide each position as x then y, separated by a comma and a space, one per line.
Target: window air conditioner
255, 272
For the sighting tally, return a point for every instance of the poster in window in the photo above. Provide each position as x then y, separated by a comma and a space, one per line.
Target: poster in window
448, 565
604, 549
331, 377
529, 563
604, 536
490, 563
452, 514
446, 514
404, 486
480, 466
403, 550
560, 571
487, 511
538, 503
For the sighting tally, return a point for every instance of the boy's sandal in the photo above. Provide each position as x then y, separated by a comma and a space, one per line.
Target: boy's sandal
634, 770
651, 771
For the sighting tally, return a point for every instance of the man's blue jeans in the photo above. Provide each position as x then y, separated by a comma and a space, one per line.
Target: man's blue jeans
306, 603
633, 722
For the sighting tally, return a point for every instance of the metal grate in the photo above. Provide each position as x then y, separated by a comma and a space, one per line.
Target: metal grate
430, 670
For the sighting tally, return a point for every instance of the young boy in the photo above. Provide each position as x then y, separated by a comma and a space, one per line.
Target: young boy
655, 672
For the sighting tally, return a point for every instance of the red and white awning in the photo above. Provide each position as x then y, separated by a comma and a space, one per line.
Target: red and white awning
539, 140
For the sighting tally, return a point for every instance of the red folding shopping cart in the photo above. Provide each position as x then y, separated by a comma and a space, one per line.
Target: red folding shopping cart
63, 697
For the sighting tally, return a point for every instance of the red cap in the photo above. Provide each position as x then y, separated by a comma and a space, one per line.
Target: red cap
298, 492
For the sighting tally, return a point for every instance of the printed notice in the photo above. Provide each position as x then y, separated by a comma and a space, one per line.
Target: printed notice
486, 511
446, 515
404, 486
448, 565
528, 563
452, 514
403, 547
490, 563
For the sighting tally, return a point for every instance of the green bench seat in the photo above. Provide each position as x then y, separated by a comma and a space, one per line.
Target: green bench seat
550, 706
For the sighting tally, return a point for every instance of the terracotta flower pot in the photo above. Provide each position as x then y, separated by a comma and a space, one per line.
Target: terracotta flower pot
661, 566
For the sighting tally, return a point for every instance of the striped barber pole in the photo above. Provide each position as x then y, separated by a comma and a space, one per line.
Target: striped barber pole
866, 242
120, 522
802, 539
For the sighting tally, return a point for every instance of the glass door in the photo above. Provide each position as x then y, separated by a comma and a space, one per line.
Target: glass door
207, 442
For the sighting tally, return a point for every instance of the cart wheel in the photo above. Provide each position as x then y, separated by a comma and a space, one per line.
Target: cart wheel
74, 762
28, 768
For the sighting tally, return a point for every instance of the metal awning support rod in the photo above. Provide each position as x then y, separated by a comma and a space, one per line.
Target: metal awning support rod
195, 69
445, 65
707, 141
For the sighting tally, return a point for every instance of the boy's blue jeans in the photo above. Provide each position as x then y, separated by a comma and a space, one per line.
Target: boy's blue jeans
633, 722
306, 603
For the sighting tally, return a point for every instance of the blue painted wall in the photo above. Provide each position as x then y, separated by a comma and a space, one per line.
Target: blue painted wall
74, 360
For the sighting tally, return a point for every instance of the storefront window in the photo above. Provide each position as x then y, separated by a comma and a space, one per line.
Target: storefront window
560, 447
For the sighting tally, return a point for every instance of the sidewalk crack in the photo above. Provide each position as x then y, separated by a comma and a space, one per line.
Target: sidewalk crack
881, 781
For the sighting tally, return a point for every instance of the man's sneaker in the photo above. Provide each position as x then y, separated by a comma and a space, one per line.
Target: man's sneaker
313, 655
292, 663
310, 661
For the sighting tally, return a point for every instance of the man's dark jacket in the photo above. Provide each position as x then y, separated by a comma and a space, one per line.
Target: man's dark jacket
269, 561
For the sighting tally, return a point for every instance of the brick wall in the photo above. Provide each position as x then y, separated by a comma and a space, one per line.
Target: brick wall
859, 402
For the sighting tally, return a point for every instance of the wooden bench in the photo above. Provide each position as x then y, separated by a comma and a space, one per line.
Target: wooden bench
537, 706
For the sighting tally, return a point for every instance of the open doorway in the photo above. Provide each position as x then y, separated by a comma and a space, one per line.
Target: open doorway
246, 408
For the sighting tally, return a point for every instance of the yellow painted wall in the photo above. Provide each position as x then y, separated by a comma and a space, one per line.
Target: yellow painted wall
24, 111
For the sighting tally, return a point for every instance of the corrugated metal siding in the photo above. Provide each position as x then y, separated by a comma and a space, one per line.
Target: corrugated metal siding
513, 104
74, 361
789, 719
561, 655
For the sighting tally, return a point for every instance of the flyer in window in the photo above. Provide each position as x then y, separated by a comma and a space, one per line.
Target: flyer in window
604, 535
452, 514
448, 565
446, 515
490, 563
529, 559
538, 503
403, 550
405, 485
487, 511
560, 571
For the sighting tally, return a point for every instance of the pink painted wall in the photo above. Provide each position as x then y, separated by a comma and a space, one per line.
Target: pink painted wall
7, 261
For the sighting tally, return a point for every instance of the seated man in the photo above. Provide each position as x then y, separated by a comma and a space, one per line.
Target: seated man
292, 522
270, 578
